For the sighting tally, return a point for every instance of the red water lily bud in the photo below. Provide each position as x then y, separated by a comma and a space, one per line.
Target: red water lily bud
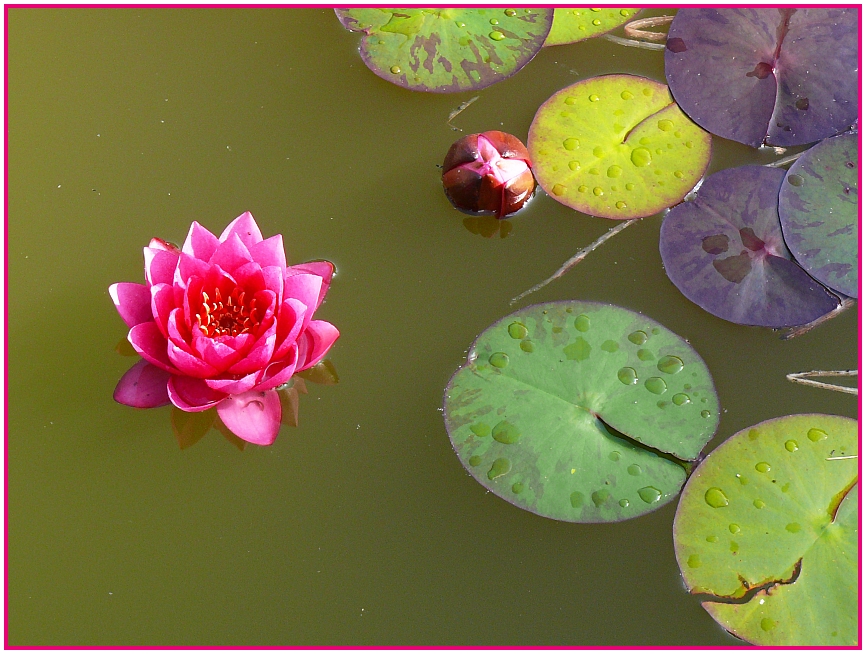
488, 173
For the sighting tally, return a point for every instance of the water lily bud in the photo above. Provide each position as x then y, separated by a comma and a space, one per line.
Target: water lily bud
488, 173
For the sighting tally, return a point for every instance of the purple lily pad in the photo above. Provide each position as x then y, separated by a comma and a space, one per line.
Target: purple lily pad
724, 250
784, 76
818, 208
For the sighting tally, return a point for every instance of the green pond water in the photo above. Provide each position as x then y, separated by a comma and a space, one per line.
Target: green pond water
360, 526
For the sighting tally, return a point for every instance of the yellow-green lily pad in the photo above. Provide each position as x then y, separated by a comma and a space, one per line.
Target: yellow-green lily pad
572, 24
767, 527
617, 146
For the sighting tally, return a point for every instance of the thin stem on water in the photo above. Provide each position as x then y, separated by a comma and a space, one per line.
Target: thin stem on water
577, 258
634, 44
802, 378
456, 112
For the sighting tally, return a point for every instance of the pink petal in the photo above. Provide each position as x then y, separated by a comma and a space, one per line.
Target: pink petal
246, 229
189, 267
149, 342
161, 305
253, 416
189, 394
233, 386
178, 333
189, 364
200, 243
270, 252
289, 326
258, 357
143, 386
273, 279
250, 276
315, 342
305, 288
159, 264
132, 302
280, 372
324, 269
231, 254
167, 246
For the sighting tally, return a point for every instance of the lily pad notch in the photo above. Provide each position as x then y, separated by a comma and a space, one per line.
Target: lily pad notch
581, 411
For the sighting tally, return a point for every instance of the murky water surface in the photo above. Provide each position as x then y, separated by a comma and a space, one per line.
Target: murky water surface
360, 526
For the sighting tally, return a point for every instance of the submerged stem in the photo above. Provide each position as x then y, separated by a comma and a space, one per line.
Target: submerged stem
577, 258
634, 44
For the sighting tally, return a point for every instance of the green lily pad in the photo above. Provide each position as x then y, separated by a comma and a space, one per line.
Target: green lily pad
617, 146
447, 50
581, 411
769, 519
818, 208
572, 24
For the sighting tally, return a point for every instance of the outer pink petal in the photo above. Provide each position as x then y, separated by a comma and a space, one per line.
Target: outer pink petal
132, 302
200, 243
254, 416
304, 287
231, 254
159, 264
149, 342
161, 305
279, 372
315, 342
324, 269
273, 277
143, 386
245, 227
270, 252
189, 394
233, 386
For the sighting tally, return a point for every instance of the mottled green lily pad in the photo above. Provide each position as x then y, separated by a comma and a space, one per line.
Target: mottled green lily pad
769, 519
818, 209
447, 50
617, 146
572, 24
581, 411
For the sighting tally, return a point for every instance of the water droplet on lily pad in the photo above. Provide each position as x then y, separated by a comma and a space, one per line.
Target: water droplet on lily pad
641, 157
638, 337
645, 355
498, 360
627, 376
716, 498
599, 497
816, 435
634, 470
474, 460
500, 467
480, 429
681, 398
527, 346
767, 624
656, 385
763, 466
517, 488
793, 527
649, 494
506, 433
581, 323
517, 330
694, 561
792, 445
576, 499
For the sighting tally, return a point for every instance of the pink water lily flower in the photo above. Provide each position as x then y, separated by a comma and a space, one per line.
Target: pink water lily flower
223, 322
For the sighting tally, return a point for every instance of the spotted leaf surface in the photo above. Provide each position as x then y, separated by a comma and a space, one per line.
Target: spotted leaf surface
571, 24
724, 250
818, 208
616, 146
447, 50
564, 409
776, 502
784, 76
